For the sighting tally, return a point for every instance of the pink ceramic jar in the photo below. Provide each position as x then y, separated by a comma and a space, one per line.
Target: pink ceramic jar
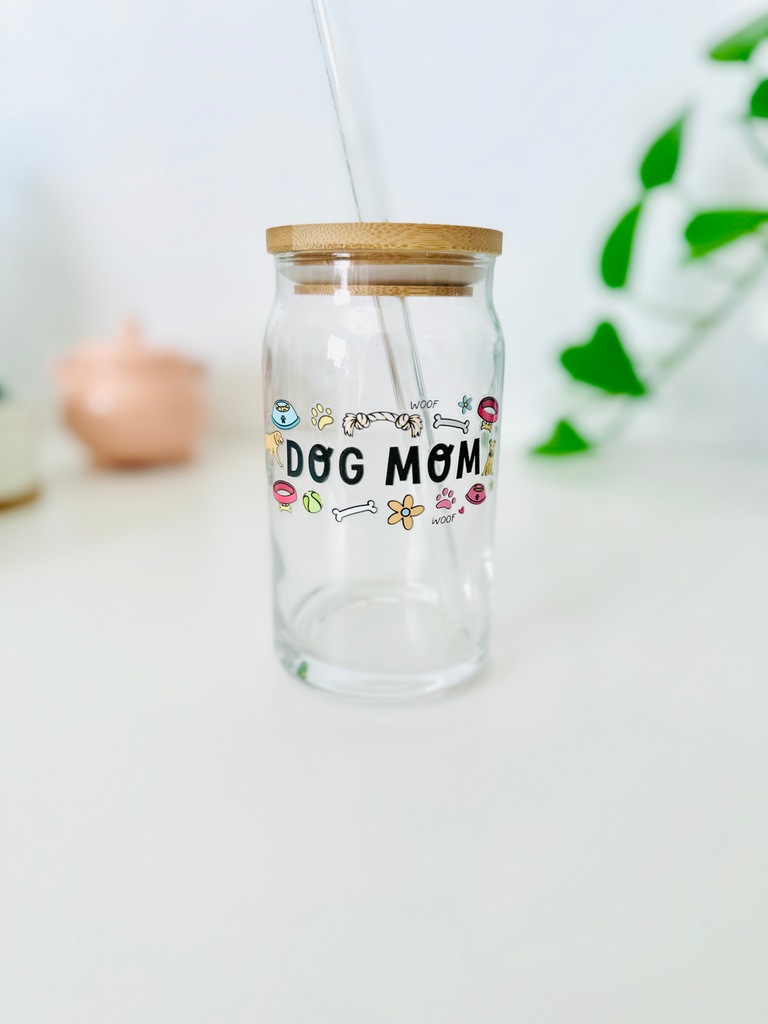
132, 405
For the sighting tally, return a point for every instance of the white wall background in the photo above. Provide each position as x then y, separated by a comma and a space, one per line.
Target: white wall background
147, 144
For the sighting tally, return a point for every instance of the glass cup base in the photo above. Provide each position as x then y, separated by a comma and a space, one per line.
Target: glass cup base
378, 643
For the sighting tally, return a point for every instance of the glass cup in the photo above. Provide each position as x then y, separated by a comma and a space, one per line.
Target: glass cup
383, 367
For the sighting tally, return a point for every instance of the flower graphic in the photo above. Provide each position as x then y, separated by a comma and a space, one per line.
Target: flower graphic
404, 512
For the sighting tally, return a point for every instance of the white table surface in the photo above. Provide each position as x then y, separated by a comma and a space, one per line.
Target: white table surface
188, 835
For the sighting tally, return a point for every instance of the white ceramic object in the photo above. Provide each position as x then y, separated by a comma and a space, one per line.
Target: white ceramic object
18, 463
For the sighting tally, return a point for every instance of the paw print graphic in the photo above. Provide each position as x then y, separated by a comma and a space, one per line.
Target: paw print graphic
445, 499
321, 417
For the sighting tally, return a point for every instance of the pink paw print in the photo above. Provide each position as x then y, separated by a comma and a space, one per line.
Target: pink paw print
445, 499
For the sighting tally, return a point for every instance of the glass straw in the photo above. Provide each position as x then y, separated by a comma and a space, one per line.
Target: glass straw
370, 204
397, 333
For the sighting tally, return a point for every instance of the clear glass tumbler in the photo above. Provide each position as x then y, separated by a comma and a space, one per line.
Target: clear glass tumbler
383, 368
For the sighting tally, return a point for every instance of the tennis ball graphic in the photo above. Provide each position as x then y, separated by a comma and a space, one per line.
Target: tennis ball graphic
312, 501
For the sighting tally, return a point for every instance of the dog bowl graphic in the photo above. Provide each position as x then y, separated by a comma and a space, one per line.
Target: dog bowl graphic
476, 494
284, 415
488, 411
284, 494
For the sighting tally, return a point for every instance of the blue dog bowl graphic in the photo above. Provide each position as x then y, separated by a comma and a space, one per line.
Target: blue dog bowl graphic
284, 415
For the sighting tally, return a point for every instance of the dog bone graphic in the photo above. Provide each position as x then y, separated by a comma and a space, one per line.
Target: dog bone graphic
342, 513
443, 421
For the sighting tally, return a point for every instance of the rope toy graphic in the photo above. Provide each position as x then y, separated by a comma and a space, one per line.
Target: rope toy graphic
361, 421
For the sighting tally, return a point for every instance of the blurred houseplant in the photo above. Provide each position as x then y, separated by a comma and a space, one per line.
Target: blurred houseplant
602, 364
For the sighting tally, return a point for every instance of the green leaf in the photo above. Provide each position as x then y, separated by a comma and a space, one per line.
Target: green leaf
564, 441
603, 363
614, 265
660, 163
708, 231
740, 45
758, 105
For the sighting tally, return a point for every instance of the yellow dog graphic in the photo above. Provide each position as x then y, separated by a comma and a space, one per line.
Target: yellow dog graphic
488, 467
273, 442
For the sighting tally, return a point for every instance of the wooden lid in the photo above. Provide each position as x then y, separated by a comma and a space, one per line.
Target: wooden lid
376, 237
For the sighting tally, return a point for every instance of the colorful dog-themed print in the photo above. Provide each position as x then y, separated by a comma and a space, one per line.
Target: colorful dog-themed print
339, 514
284, 494
362, 420
476, 494
404, 512
284, 415
272, 442
312, 502
488, 411
445, 421
488, 467
340, 468
321, 416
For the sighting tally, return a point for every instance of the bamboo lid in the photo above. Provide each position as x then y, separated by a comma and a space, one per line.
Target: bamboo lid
376, 237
